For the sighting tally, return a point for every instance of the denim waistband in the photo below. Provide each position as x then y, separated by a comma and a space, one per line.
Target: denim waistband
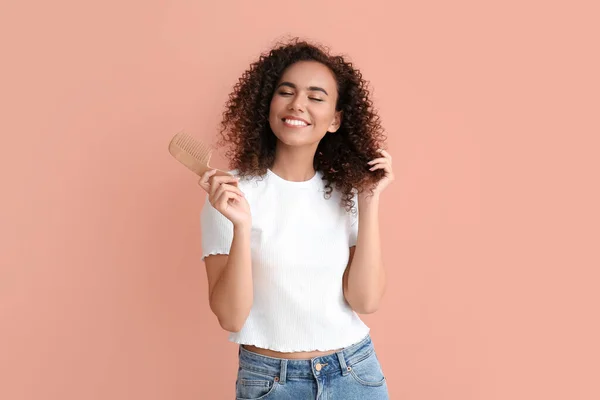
282, 368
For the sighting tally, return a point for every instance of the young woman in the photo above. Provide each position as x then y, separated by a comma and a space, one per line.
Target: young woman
291, 241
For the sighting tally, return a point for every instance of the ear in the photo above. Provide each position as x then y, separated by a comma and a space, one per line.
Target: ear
336, 123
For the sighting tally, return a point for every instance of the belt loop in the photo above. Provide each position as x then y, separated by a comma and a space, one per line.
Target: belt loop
283, 371
342, 360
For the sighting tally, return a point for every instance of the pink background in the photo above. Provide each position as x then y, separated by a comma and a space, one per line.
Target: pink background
491, 230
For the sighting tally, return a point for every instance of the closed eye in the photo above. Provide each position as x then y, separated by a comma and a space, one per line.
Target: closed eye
289, 94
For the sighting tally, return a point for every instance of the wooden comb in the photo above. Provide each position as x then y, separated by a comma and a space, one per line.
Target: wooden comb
193, 153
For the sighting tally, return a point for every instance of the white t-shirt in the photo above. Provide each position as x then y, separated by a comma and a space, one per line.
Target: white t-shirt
300, 245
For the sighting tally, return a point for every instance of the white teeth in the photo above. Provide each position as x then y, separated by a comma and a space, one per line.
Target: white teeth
295, 122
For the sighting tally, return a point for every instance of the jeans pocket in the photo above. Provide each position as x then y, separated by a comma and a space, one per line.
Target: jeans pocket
253, 386
368, 371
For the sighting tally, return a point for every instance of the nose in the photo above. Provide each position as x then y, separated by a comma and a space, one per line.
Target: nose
296, 104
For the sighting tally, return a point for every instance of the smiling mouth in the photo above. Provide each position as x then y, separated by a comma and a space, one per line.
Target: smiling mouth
294, 123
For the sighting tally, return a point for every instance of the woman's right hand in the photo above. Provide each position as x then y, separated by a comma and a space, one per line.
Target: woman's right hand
226, 197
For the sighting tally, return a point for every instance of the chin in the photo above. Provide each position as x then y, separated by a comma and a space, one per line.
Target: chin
296, 139
293, 142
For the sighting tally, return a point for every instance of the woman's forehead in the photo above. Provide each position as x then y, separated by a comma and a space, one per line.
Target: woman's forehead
309, 73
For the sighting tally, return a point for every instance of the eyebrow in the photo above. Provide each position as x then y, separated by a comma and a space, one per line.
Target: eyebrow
311, 88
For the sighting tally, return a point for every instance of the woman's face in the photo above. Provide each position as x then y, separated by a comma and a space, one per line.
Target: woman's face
303, 106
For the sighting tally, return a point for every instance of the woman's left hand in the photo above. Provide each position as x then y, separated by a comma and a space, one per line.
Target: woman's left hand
384, 163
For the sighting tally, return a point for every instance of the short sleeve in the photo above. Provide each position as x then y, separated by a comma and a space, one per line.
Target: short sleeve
354, 223
217, 231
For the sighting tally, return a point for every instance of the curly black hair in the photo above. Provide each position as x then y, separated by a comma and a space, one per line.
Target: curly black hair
341, 158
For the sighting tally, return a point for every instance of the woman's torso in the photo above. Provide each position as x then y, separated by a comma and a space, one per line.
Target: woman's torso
300, 248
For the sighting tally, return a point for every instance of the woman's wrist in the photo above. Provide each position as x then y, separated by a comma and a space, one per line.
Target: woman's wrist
242, 227
367, 198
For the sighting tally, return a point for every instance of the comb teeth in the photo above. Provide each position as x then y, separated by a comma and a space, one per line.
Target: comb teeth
193, 147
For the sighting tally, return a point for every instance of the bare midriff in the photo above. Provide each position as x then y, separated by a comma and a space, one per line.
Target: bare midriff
299, 355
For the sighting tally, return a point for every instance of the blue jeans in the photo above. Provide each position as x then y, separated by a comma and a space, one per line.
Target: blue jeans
351, 373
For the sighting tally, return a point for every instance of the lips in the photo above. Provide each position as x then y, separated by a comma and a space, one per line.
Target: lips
294, 125
292, 118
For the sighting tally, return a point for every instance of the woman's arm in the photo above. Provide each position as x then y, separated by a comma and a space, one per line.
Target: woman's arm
229, 276
364, 278
230, 282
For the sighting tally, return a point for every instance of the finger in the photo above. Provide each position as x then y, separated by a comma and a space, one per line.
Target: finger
387, 169
378, 160
384, 166
224, 179
203, 182
238, 198
223, 200
204, 185
216, 181
229, 188
220, 179
386, 154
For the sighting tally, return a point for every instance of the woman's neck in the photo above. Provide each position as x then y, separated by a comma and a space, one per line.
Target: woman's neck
295, 164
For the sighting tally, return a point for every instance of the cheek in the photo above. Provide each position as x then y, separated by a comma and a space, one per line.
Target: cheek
274, 111
274, 108
277, 102
272, 114
324, 117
